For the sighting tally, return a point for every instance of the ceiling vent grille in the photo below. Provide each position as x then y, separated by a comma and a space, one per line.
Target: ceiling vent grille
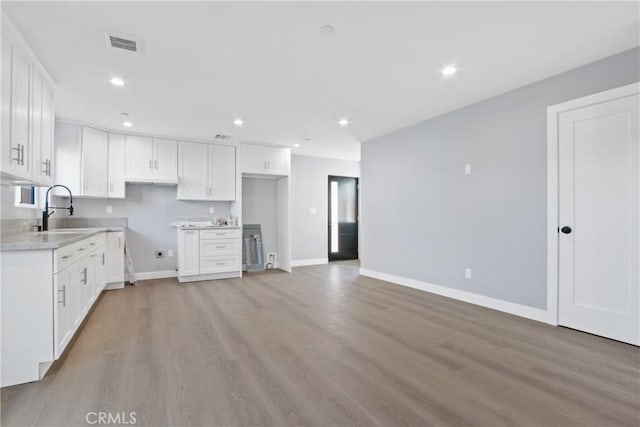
123, 42
223, 137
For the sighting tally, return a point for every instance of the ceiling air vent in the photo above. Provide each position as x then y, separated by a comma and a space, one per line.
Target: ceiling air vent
123, 42
222, 137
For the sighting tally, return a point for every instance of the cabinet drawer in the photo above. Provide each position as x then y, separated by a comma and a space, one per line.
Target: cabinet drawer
218, 264
209, 248
96, 241
220, 234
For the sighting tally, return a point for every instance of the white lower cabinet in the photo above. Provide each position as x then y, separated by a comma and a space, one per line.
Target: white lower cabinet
209, 254
46, 295
115, 260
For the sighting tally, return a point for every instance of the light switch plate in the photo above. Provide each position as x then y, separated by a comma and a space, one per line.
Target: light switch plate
467, 273
212, 210
169, 253
467, 169
313, 211
109, 209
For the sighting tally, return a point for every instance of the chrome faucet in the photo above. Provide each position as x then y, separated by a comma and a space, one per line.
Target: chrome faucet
46, 214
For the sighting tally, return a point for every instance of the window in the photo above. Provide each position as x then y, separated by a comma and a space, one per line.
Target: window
26, 197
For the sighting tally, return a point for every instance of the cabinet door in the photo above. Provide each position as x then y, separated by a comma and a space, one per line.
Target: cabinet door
40, 166
192, 171
95, 150
115, 257
222, 172
188, 252
75, 294
139, 157
278, 161
7, 154
165, 159
101, 271
89, 289
46, 148
253, 158
20, 78
116, 166
61, 315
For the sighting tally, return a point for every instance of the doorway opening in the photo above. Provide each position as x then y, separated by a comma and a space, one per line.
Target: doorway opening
343, 218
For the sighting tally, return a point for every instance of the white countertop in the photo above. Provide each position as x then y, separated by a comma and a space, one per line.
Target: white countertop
52, 239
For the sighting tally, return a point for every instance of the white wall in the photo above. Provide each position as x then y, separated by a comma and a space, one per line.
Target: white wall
8, 207
309, 190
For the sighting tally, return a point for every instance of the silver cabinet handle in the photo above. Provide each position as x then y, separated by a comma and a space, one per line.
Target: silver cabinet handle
80, 249
155, 164
92, 256
220, 247
66, 256
220, 263
84, 278
103, 258
151, 164
92, 243
48, 167
17, 160
119, 242
63, 291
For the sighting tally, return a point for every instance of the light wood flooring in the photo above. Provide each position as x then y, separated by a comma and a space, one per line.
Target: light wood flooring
325, 347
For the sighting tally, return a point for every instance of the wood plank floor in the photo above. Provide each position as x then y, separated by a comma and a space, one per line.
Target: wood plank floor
324, 346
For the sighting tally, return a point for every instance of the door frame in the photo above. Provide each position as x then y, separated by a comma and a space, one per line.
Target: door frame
328, 198
553, 171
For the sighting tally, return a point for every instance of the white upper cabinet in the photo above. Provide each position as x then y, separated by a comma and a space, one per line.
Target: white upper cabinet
42, 131
192, 171
151, 160
206, 172
258, 159
222, 172
116, 188
165, 160
27, 113
95, 170
139, 155
89, 161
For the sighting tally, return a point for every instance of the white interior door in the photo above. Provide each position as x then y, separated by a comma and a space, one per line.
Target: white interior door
599, 200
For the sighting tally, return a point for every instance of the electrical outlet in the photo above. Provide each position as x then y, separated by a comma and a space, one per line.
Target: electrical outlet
467, 169
313, 211
467, 273
159, 254
109, 209
170, 253
212, 210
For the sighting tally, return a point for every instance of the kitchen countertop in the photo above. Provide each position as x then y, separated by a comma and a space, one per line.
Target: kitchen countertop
53, 239
208, 227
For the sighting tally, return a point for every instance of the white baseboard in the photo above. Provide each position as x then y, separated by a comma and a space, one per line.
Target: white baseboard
495, 304
314, 261
163, 274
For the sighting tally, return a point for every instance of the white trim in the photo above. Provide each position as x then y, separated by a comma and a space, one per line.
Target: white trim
305, 262
163, 274
495, 304
552, 182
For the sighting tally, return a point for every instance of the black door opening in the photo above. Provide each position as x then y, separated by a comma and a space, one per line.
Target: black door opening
343, 218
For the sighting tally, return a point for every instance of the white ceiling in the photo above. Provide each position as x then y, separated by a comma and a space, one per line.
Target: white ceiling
205, 63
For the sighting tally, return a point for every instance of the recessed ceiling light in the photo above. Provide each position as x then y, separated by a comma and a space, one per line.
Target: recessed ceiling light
127, 124
343, 122
327, 30
296, 145
117, 81
238, 122
449, 71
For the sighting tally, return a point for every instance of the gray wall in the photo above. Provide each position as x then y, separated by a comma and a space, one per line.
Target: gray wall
309, 190
260, 206
423, 219
150, 210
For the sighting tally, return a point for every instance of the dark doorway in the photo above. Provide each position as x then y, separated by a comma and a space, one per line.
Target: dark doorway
343, 218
